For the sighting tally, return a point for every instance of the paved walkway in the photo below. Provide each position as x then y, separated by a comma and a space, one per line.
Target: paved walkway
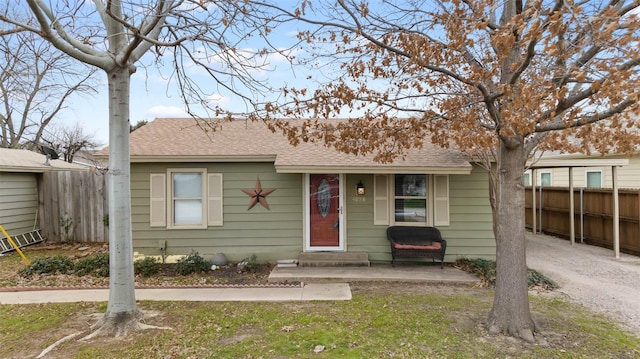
426, 273
319, 283
320, 291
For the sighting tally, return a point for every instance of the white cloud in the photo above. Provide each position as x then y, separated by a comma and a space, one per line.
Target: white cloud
150, 78
166, 111
218, 99
248, 59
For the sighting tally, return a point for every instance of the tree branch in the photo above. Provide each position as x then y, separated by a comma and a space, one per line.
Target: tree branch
558, 124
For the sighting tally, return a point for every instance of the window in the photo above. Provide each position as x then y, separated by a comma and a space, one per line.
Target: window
410, 198
527, 179
594, 179
185, 199
545, 179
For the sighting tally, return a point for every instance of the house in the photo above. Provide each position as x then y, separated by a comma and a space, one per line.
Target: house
21, 173
243, 190
595, 171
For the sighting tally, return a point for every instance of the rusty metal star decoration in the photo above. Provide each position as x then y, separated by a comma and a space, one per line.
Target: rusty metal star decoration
258, 195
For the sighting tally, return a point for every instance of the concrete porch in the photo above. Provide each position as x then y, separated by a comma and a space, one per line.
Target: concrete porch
333, 259
410, 272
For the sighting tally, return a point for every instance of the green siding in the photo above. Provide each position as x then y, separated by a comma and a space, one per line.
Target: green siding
270, 234
18, 201
470, 233
278, 233
362, 234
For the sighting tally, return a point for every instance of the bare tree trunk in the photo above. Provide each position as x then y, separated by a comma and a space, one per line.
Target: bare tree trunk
122, 314
510, 313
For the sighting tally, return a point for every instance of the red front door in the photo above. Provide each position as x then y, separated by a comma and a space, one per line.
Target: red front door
324, 210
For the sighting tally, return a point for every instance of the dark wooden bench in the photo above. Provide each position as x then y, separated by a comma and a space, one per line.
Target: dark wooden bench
416, 242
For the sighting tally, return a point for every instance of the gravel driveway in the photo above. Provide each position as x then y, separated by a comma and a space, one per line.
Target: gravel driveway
591, 276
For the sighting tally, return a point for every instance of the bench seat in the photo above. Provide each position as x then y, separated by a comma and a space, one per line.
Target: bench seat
416, 242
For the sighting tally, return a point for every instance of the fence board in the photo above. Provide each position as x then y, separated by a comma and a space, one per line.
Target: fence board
80, 198
593, 215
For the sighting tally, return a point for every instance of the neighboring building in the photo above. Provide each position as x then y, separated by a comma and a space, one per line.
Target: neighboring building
196, 191
594, 177
20, 175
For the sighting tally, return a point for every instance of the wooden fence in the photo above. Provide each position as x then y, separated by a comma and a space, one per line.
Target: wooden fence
593, 215
73, 206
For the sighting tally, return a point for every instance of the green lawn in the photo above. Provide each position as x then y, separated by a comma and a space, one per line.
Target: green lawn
391, 320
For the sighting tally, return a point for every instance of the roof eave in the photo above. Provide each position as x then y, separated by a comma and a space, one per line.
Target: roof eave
199, 159
23, 169
374, 169
19, 169
575, 162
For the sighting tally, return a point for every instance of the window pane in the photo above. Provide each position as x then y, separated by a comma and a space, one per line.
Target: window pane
594, 179
527, 179
545, 179
411, 210
411, 185
187, 211
187, 185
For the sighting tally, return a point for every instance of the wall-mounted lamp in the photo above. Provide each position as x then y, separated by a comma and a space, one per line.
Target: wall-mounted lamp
360, 189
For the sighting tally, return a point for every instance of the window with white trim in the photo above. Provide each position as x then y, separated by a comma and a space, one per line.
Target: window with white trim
545, 179
527, 178
185, 199
411, 199
593, 179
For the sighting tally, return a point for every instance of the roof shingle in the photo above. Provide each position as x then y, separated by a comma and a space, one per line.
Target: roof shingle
16, 160
187, 139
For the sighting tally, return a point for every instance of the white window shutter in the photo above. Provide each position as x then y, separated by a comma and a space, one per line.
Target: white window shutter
380, 200
157, 198
214, 194
441, 200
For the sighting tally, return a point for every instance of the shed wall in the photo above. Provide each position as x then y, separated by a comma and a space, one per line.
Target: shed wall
18, 201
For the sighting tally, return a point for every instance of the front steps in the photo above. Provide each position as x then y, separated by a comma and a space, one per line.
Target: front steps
334, 259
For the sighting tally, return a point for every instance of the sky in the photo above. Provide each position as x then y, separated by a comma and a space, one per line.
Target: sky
153, 96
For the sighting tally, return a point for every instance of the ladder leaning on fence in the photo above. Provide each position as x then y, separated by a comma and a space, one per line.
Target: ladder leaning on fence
21, 240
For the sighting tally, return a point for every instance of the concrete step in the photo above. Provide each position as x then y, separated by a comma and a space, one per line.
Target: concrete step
334, 259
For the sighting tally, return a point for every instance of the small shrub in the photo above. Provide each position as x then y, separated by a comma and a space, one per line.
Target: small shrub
193, 263
537, 279
48, 265
96, 265
486, 271
147, 266
251, 264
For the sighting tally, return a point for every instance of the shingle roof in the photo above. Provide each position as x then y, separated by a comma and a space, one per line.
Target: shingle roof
185, 140
14, 160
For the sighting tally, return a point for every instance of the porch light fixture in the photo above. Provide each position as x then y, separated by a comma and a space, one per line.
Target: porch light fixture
360, 189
